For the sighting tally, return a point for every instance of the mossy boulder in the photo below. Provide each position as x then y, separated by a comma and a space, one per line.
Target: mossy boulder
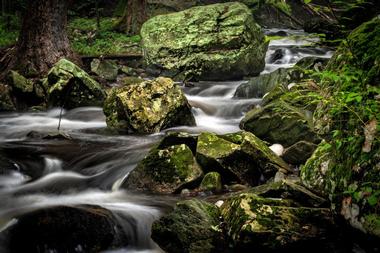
280, 122
70, 86
63, 228
24, 92
271, 225
190, 228
166, 170
213, 42
240, 157
20, 83
148, 107
6, 103
212, 181
107, 69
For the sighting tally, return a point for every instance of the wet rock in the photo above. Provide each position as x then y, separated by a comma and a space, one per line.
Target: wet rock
177, 138
280, 122
286, 189
131, 80
276, 56
20, 83
238, 157
128, 71
212, 181
6, 103
66, 229
70, 86
148, 107
167, 170
312, 63
299, 152
189, 45
24, 92
190, 228
273, 225
258, 86
106, 69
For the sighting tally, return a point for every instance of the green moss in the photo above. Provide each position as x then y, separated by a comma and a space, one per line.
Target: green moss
86, 40
246, 160
189, 228
212, 181
148, 107
9, 34
205, 41
165, 170
67, 78
271, 224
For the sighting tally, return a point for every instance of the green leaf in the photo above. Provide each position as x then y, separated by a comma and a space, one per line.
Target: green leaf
372, 200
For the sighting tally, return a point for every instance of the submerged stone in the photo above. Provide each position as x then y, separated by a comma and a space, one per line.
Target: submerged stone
192, 227
70, 86
148, 107
166, 170
213, 42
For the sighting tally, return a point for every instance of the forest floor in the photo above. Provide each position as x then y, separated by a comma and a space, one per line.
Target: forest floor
85, 38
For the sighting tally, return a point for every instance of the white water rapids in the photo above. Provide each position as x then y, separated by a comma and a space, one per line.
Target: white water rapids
90, 168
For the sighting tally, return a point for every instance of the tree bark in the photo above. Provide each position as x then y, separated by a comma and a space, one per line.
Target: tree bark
133, 18
42, 41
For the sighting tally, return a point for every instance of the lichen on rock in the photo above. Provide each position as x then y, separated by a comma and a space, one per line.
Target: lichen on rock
213, 42
148, 107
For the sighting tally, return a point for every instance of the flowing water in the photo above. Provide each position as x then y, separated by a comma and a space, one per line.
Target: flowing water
90, 165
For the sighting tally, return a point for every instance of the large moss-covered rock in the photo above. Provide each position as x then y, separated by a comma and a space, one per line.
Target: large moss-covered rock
238, 157
214, 42
70, 86
66, 229
280, 122
106, 69
255, 223
148, 107
166, 170
190, 228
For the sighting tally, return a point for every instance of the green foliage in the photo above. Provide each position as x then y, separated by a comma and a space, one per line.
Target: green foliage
87, 40
9, 27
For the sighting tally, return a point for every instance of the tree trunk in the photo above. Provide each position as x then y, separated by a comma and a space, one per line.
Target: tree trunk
42, 41
133, 18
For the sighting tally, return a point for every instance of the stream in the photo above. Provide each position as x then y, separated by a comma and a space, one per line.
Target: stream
90, 166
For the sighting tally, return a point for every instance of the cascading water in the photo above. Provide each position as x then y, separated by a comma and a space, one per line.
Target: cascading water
89, 166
